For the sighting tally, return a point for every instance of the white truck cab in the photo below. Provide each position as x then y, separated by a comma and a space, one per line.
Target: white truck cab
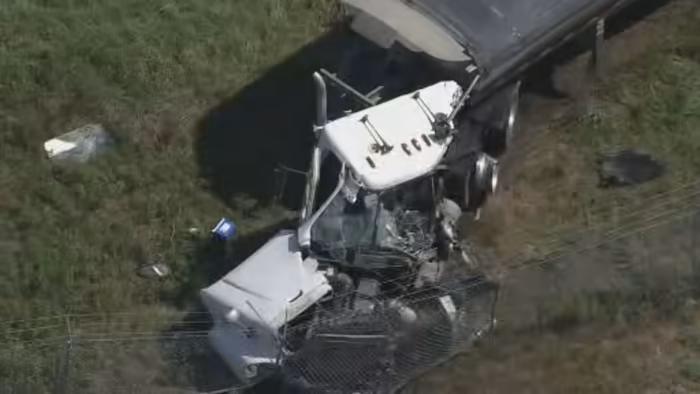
381, 201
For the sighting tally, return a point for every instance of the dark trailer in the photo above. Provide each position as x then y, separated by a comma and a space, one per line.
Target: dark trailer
495, 39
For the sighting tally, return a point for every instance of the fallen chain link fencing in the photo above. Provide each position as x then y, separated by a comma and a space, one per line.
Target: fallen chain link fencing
652, 263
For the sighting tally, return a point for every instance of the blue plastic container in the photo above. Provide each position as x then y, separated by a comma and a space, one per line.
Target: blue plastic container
225, 229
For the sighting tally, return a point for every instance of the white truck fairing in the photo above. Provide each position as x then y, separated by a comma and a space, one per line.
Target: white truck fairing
252, 302
387, 21
405, 124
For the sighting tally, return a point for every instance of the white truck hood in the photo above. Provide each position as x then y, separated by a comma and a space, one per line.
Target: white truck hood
406, 124
251, 303
270, 288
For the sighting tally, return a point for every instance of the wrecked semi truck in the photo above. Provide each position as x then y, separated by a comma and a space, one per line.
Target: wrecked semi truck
375, 264
375, 283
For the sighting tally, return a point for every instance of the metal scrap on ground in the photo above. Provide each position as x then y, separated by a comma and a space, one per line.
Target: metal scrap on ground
79, 145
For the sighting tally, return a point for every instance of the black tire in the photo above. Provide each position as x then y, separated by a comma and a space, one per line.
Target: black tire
480, 184
502, 124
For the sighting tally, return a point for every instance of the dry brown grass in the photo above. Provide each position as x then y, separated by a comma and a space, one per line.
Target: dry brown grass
596, 360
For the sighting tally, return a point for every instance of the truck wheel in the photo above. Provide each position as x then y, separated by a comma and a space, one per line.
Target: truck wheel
480, 182
500, 133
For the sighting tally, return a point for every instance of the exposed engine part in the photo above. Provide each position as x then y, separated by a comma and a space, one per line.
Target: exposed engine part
367, 291
441, 126
449, 214
350, 190
429, 273
404, 312
342, 284
450, 211
414, 233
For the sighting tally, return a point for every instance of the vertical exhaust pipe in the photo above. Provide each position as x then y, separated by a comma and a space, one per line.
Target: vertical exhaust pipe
312, 177
321, 102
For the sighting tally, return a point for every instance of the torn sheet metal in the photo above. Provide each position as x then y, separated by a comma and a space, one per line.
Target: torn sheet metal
79, 145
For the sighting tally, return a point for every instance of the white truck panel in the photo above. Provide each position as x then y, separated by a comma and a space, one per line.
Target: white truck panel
252, 302
403, 120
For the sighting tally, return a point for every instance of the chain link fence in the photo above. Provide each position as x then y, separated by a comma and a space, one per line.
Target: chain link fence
379, 352
161, 352
647, 264
651, 262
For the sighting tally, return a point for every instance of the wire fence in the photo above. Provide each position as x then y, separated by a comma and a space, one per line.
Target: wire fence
120, 353
655, 265
647, 259
378, 352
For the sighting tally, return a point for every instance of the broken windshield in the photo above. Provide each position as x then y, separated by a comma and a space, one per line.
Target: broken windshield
398, 220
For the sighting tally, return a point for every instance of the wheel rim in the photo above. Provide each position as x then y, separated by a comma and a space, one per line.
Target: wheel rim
512, 114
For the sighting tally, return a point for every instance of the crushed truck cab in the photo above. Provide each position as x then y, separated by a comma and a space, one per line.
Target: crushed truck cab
376, 227
254, 301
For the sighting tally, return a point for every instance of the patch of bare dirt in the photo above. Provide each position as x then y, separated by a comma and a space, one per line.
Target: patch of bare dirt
622, 360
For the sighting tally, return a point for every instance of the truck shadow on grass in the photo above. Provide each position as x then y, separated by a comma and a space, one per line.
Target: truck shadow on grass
269, 122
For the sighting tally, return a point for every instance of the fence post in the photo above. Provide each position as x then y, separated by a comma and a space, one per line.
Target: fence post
64, 373
694, 274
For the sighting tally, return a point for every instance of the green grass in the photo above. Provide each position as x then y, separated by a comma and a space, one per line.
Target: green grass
71, 237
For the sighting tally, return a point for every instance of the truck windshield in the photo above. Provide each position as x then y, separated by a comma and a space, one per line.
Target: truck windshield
397, 221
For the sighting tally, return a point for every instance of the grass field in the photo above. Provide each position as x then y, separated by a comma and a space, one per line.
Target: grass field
71, 237
172, 81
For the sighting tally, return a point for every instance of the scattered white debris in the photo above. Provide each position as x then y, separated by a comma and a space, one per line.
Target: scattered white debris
154, 271
55, 147
79, 145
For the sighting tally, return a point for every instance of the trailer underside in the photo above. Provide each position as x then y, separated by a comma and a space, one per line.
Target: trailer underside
500, 38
